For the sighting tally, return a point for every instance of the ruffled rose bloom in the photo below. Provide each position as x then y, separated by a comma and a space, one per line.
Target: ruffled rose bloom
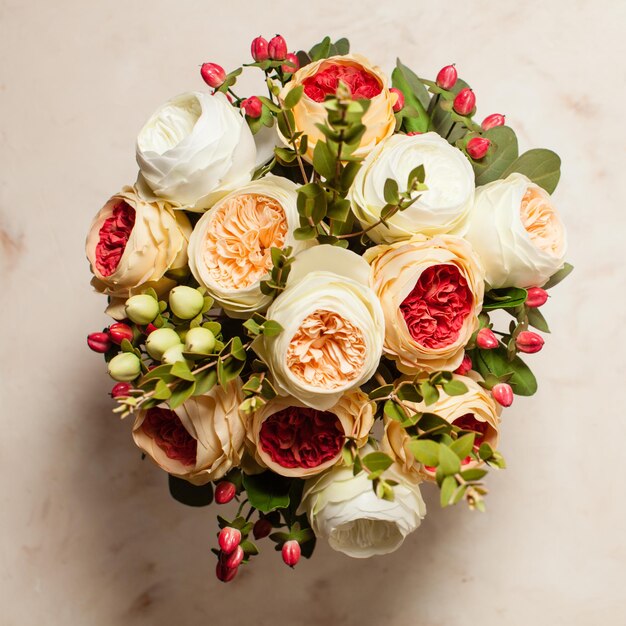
295, 440
365, 81
194, 150
517, 233
473, 411
333, 328
431, 291
443, 208
132, 244
230, 247
198, 441
345, 510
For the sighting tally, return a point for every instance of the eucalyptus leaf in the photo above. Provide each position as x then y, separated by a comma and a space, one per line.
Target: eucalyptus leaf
501, 155
563, 273
542, 166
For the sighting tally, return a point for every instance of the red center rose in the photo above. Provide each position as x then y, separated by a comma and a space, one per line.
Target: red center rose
469, 422
301, 437
114, 235
437, 307
361, 83
166, 430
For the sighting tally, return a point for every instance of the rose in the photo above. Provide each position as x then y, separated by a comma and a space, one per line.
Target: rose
194, 150
200, 440
333, 328
431, 292
230, 247
474, 411
132, 244
345, 510
295, 440
517, 233
364, 80
442, 208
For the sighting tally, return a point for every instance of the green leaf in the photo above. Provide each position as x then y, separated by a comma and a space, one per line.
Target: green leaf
271, 328
377, 461
425, 451
267, 491
473, 474
380, 392
205, 381
320, 50
416, 97
161, 371
417, 174
394, 411
496, 362
324, 161
463, 445
485, 451
188, 494
559, 276
180, 369
342, 46
409, 392
286, 155
161, 391
455, 388
537, 320
237, 350
181, 393
542, 166
293, 97
305, 232
501, 155
507, 298
228, 369
430, 393
391, 192
448, 487
449, 462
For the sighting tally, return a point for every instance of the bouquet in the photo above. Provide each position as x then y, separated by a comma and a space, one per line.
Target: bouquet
302, 285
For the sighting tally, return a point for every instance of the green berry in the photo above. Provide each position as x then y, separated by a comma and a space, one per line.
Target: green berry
186, 302
173, 354
199, 341
161, 340
142, 309
124, 367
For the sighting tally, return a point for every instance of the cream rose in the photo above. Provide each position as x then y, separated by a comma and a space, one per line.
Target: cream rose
443, 208
517, 233
431, 291
364, 80
230, 247
333, 328
292, 439
344, 509
198, 441
194, 150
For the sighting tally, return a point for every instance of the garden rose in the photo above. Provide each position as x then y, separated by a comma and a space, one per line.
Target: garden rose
198, 441
333, 328
365, 82
431, 291
194, 150
517, 233
295, 440
443, 208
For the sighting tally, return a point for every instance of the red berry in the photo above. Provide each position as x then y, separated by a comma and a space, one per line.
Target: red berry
118, 332
121, 390
503, 394
399, 105
99, 342
466, 366
252, 107
529, 342
536, 297
229, 538
259, 49
446, 79
150, 328
295, 64
277, 48
213, 74
225, 492
464, 102
495, 119
225, 574
262, 528
486, 339
477, 147
233, 559
291, 552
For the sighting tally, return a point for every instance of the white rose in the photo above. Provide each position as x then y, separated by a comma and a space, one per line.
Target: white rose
443, 208
194, 150
333, 328
517, 233
344, 509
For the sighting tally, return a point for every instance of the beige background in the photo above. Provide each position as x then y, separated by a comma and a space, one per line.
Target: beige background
88, 532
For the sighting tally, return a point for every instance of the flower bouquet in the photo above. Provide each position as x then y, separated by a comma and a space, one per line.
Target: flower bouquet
302, 285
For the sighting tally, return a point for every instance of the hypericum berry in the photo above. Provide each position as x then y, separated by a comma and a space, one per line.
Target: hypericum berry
477, 147
503, 394
529, 342
99, 342
466, 366
150, 328
225, 574
295, 64
225, 492
173, 354
493, 120
124, 367
399, 105
186, 302
536, 297
486, 339
252, 107
160, 341
213, 74
262, 528
291, 552
142, 309
121, 390
229, 538
277, 48
446, 79
259, 49
464, 102
199, 340
119, 331
233, 559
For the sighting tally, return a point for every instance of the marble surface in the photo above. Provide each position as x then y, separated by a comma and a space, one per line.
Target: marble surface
89, 534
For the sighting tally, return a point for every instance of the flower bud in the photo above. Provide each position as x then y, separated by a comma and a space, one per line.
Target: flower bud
186, 302
495, 119
259, 49
118, 332
234, 559
446, 79
399, 104
225, 491
464, 102
229, 538
150, 328
99, 342
213, 74
124, 367
291, 552
291, 69
225, 574
466, 366
142, 309
199, 340
503, 394
173, 353
252, 107
477, 147
160, 341
536, 297
262, 528
121, 390
277, 48
529, 342
486, 339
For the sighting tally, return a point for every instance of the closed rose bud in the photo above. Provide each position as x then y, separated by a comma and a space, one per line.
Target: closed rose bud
99, 342
225, 492
233, 559
291, 552
199, 340
477, 147
503, 394
446, 79
160, 341
464, 102
536, 297
486, 339
213, 74
277, 48
186, 302
259, 49
225, 574
295, 64
118, 332
252, 107
529, 342
399, 104
142, 309
495, 119
229, 538
124, 367
466, 366
262, 528
121, 390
